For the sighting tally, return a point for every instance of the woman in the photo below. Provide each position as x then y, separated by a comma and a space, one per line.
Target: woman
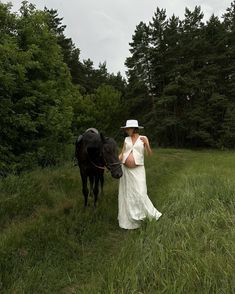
133, 202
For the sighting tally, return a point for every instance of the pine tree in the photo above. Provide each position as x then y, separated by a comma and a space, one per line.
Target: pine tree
140, 89
169, 97
228, 127
190, 66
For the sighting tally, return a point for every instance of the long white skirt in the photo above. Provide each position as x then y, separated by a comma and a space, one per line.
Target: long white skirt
134, 204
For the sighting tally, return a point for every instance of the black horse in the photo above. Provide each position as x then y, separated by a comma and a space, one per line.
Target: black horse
94, 153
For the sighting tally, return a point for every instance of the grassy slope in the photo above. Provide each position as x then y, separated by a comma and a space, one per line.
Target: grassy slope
50, 244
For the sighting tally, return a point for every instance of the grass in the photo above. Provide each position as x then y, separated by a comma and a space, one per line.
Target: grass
50, 244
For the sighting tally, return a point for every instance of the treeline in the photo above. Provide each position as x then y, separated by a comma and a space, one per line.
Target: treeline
182, 79
181, 85
48, 96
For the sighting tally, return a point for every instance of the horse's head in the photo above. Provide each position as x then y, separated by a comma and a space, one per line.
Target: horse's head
110, 155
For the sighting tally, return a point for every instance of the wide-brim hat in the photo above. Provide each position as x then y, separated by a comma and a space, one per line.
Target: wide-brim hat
132, 123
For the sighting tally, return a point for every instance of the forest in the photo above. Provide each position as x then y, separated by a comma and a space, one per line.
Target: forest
180, 84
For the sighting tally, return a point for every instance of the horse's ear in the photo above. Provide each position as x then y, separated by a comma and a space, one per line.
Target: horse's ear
102, 137
78, 143
79, 140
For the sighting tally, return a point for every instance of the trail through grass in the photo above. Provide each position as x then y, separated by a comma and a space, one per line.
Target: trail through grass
50, 244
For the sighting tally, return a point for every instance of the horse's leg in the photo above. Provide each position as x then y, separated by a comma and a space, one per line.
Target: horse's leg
102, 182
91, 180
96, 189
84, 187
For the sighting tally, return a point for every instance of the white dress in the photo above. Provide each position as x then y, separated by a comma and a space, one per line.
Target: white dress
134, 204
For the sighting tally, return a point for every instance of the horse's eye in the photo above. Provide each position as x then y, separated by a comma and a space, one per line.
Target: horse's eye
109, 150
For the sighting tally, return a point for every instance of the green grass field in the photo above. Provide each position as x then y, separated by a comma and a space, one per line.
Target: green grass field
50, 244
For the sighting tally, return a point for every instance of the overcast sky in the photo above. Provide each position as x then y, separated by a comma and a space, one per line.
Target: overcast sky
102, 29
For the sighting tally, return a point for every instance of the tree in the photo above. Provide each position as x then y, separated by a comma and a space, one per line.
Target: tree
228, 127
37, 112
187, 68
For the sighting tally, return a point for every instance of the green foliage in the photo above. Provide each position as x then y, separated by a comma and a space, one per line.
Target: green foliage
180, 85
102, 109
36, 109
48, 96
107, 108
186, 69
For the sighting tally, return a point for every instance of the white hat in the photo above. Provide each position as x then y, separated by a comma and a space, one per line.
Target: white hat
132, 123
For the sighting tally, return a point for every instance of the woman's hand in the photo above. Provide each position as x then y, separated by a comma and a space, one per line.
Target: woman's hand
120, 156
145, 140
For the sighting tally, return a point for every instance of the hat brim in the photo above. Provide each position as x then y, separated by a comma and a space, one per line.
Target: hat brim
139, 127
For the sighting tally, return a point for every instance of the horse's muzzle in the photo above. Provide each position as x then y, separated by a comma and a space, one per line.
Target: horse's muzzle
117, 174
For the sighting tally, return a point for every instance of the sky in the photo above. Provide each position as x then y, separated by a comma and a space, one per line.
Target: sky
103, 29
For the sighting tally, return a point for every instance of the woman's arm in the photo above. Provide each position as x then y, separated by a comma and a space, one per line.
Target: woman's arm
121, 154
146, 145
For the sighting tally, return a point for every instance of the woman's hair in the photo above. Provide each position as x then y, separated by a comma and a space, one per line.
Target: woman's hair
136, 130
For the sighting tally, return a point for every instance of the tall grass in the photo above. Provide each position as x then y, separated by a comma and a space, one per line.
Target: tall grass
50, 244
